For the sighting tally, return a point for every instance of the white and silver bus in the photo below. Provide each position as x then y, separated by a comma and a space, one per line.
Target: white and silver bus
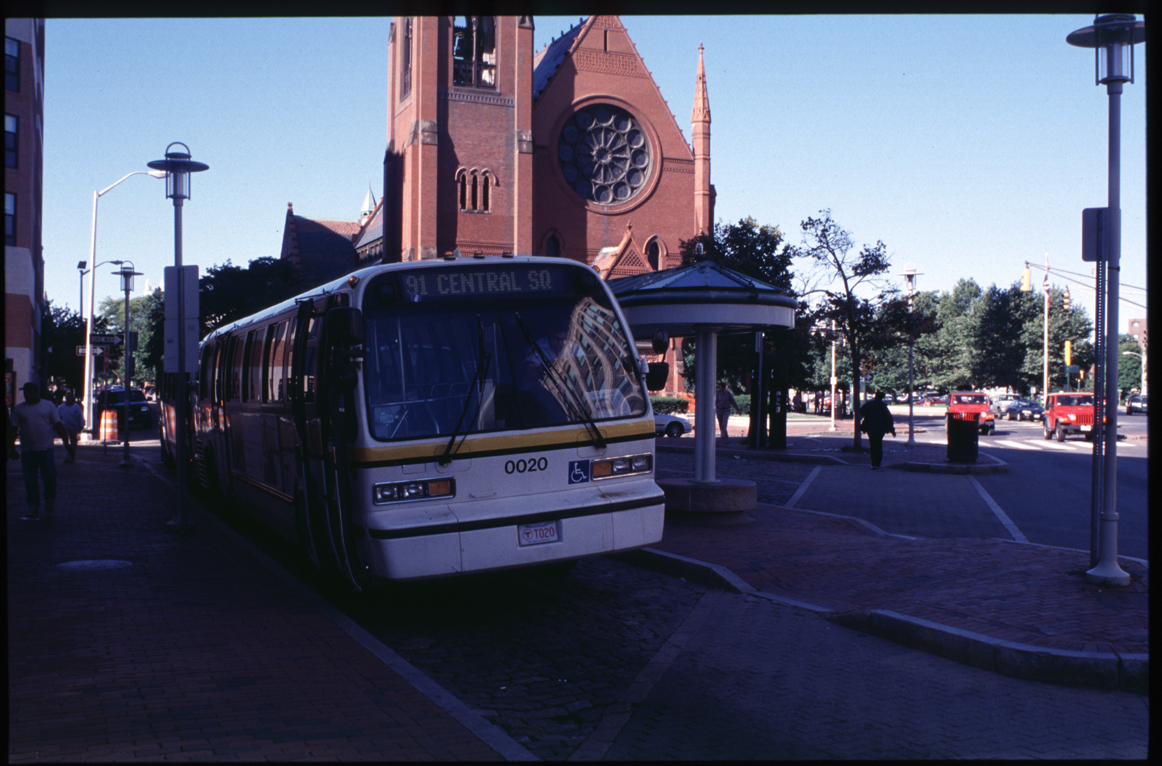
434, 418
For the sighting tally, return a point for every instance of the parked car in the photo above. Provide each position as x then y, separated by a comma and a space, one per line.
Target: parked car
671, 425
1069, 413
1000, 405
1136, 403
114, 399
964, 405
1024, 409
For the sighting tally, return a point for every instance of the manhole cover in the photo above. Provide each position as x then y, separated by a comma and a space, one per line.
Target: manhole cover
1124, 600
95, 564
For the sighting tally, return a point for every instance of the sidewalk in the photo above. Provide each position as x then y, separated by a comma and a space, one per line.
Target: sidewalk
1024, 610
128, 642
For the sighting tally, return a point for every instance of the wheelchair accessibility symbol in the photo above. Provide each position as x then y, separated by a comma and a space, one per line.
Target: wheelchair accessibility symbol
578, 471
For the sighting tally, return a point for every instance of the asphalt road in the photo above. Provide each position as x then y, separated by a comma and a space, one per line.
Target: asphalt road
1047, 491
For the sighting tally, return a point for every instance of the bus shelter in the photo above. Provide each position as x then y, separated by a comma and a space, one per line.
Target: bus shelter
703, 300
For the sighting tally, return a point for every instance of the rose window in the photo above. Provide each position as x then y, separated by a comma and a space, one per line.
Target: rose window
604, 154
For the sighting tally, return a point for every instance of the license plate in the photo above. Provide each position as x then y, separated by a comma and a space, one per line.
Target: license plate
535, 534
1087, 428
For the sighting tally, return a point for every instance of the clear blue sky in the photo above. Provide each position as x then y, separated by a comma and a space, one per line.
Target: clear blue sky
967, 144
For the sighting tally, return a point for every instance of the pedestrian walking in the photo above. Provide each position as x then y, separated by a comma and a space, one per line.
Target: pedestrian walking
877, 421
37, 422
723, 402
72, 417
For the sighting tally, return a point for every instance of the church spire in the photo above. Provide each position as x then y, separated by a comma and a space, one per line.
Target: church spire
700, 131
368, 203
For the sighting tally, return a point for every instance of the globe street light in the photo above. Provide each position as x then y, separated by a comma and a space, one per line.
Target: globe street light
177, 167
910, 274
92, 293
1112, 37
127, 274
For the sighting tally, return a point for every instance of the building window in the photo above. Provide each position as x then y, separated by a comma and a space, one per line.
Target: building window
10, 124
475, 189
9, 219
474, 52
405, 54
652, 252
604, 154
553, 247
11, 64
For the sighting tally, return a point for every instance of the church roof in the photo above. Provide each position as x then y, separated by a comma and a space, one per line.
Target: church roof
373, 230
549, 60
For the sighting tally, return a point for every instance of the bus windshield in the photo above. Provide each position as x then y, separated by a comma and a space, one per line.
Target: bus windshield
470, 366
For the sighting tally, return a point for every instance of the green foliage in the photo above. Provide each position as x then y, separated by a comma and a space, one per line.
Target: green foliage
228, 293
669, 405
756, 251
62, 331
1129, 367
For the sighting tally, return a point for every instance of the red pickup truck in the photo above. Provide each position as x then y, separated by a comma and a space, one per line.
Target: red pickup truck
1069, 414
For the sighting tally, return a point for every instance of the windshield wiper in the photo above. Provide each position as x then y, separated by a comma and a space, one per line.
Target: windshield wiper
483, 358
569, 395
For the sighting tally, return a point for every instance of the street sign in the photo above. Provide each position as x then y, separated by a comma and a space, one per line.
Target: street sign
105, 340
97, 350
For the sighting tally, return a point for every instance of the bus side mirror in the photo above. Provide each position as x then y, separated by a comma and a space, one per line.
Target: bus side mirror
345, 326
661, 341
657, 375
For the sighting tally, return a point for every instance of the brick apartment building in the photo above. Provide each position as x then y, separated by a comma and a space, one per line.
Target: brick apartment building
23, 201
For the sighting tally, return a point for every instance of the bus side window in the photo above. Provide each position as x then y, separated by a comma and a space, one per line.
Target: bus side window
236, 355
274, 365
206, 371
252, 384
288, 368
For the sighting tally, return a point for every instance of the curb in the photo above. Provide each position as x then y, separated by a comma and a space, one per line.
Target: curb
1103, 670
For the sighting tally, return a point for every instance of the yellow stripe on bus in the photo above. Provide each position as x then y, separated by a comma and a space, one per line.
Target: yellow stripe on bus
499, 444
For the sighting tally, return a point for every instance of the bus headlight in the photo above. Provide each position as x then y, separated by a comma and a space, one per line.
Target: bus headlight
622, 466
401, 491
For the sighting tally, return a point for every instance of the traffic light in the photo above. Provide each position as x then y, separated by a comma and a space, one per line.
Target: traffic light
1068, 348
1025, 280
1067, 297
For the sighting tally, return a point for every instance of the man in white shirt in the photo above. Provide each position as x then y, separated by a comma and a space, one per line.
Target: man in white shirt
72, 417
37, 422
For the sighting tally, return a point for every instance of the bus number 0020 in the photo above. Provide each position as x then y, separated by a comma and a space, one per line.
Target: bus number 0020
526, 466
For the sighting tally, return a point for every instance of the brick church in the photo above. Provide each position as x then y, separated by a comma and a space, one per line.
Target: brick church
570, 152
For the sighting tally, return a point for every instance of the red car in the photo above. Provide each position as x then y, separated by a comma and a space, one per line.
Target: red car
972, 405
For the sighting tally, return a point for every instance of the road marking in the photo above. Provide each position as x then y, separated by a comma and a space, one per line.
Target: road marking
803, 487
996, 509
1017, 445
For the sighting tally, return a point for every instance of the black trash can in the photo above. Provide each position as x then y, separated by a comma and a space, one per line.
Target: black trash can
963, 430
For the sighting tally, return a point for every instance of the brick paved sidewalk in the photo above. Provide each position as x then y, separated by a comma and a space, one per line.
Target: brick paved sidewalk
183, 648
1029, 594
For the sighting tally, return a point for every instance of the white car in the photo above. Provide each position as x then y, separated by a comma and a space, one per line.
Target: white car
671, 425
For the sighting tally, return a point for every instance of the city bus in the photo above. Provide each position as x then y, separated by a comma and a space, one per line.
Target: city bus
434, 418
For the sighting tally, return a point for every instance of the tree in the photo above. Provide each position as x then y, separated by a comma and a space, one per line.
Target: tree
112, 311
62, 332
1129, 367
227, 293
756, 251
837, 276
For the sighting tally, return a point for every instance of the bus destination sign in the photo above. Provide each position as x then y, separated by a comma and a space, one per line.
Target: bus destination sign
428, 284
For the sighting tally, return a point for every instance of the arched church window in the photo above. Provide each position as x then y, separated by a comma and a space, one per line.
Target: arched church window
474, 52
604, 154
463, 184
652, 254
405, 55
486, 185
553, 247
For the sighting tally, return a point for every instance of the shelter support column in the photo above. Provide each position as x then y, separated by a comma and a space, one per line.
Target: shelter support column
705, 428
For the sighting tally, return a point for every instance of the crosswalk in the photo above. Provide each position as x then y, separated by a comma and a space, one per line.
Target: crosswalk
1036, 443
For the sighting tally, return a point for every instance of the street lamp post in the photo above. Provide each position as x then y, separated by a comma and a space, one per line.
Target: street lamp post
127, 274
910, 274
177, 167
1112, 37
83, 268
92, 290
